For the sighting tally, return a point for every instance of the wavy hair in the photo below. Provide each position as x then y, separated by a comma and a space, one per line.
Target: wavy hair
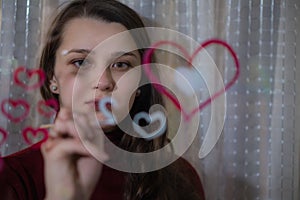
166, 183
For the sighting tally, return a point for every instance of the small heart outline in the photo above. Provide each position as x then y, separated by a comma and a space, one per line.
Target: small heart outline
34, 132
149, 118
15, 103
49, 103
103, 108
29, 73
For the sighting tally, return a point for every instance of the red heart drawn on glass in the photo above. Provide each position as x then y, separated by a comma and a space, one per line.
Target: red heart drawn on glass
29, 74
44, 107
20, 105
32, 136
3, 136
162, 90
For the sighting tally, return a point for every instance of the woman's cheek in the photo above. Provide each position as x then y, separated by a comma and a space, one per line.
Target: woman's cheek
124, 98
69, 91
66, 97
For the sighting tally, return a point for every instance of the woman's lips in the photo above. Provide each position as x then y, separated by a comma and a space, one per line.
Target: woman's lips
94, 108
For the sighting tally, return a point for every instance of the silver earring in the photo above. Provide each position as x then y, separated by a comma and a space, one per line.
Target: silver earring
54, 88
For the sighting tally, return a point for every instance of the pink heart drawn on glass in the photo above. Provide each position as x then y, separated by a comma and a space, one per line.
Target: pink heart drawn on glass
3, 136
32, 136
162, 90
44, 107
22, 105
29, 74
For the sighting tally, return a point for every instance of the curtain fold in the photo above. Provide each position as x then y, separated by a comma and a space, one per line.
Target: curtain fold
20, 42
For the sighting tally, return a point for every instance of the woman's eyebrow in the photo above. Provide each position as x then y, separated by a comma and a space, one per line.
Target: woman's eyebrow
82, 51
123, 53
88, 51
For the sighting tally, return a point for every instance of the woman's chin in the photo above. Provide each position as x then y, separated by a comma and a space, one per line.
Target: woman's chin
108, 128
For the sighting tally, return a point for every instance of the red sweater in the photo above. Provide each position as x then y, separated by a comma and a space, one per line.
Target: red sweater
22, 178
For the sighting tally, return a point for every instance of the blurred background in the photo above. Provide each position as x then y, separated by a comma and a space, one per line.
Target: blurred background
257, 155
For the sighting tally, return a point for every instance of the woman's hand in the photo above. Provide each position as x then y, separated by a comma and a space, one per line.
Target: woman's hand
70, 170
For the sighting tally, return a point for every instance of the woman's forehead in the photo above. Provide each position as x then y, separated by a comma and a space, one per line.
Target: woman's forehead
97, 35
88, 31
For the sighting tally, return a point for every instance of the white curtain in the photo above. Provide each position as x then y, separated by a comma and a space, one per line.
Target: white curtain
257, 155
20, 43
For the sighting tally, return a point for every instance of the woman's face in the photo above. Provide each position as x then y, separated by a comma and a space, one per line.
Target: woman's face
86, 72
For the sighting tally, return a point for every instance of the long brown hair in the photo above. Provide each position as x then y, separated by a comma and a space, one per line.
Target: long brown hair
160, 184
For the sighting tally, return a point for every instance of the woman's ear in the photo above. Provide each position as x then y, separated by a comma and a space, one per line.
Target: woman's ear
54, 86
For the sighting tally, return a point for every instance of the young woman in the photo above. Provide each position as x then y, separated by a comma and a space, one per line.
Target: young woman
63, 168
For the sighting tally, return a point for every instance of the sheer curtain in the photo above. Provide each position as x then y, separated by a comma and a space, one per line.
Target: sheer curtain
20, 42
257, 155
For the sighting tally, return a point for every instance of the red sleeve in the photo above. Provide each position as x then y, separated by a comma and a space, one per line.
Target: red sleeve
21, 177
193, 176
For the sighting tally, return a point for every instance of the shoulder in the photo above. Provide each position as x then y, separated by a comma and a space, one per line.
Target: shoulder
188, 169
190, 177
22, 176
29, 159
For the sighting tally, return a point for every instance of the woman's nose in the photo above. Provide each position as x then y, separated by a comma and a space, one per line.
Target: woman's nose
106, 82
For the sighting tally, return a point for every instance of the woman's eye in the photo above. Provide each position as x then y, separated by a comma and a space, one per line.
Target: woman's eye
81, 63
121, 65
